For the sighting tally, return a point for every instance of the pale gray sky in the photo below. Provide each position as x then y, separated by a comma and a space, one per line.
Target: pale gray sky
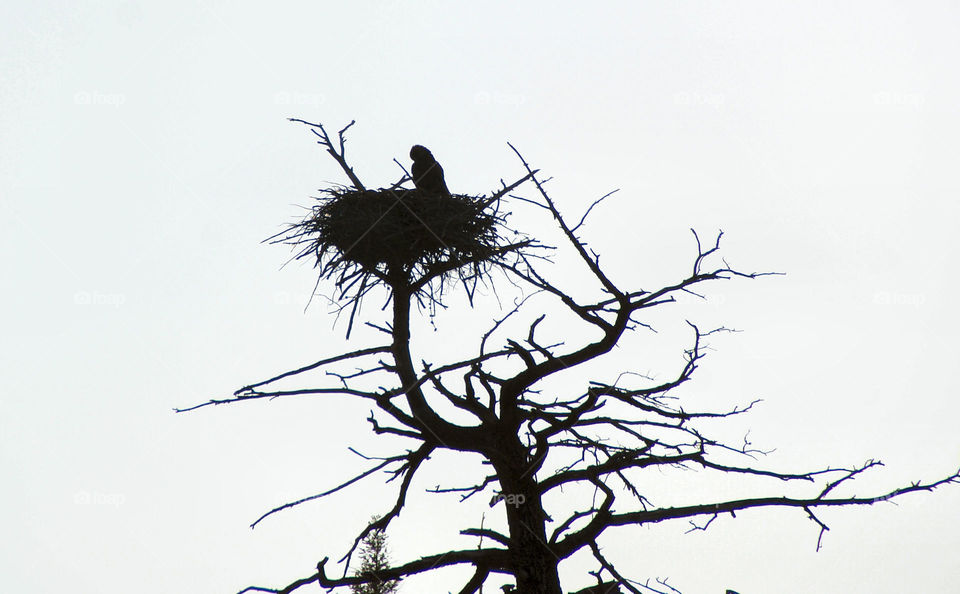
144, 155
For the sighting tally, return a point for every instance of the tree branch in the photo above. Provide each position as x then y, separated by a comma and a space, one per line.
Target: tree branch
338, 153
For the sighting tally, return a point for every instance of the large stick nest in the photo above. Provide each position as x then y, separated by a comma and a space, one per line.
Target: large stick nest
400, 236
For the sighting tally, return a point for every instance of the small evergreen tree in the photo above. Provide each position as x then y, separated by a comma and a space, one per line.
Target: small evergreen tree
374, 557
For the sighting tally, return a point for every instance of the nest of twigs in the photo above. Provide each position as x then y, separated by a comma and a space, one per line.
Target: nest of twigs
398, 236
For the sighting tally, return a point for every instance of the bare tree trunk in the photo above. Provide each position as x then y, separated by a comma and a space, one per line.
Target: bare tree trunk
534, 563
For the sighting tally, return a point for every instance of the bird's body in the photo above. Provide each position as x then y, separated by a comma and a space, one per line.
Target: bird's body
426, 172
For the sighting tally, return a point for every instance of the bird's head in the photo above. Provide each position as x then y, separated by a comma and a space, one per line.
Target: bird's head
420, 153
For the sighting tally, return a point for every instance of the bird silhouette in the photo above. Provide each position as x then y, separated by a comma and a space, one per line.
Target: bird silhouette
426, 172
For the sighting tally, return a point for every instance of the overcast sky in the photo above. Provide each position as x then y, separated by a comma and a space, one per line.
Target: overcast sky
144, 154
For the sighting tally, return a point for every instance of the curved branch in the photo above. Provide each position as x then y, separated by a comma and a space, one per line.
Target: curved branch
577, 244
486, 532
335, 152
575, 541
476, 581
414, 460
280, 394
329, 491
320, 363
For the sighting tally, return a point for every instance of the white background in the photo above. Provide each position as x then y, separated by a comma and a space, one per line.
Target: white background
144, 155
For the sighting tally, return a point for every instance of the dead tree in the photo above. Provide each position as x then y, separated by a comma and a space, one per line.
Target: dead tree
409, 243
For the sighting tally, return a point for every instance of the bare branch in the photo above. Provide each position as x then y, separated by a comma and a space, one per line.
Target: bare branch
408, 470
591, 264
583, 219
659, 515
320, 363
338, 153
475, 582
342, 485
486, 532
